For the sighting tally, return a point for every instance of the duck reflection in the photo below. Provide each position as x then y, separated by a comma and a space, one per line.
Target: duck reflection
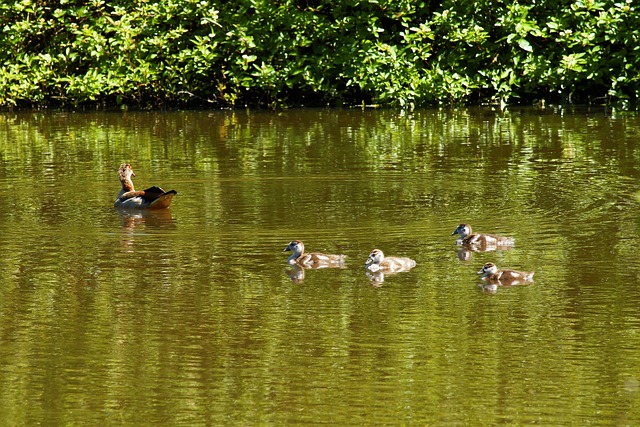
297, 272
491, 286
465, 252
160, 218
132, 219
376, 278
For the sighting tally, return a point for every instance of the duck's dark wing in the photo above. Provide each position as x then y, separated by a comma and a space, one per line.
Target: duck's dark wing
152, 193
158, 198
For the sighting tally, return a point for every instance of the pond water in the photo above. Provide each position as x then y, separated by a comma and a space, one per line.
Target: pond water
192, 316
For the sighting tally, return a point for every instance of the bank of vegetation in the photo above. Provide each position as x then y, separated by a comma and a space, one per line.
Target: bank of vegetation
400, 53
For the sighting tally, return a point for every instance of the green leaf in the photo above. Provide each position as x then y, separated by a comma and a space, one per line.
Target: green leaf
524, 44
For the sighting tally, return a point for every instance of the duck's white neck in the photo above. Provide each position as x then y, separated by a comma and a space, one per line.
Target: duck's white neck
297, 251
292, 259
462, 232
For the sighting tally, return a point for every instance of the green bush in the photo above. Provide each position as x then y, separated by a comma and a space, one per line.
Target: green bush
314, 52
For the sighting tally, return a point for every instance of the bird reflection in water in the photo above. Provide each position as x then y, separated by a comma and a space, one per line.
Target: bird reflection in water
465, 252
153, 219
491, 286
297, 272
376, 278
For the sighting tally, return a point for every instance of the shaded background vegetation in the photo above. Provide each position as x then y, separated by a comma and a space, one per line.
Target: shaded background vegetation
277, 53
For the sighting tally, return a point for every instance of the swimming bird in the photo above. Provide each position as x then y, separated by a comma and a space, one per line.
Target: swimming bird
312, 259
377, 261
151, 198
467, 237
491, 273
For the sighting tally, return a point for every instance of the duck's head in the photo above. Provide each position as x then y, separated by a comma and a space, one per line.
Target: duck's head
488, 268
375, 257
296, 246
463, 230
125, 171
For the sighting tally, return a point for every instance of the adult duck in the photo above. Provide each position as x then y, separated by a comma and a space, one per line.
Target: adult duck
151, 198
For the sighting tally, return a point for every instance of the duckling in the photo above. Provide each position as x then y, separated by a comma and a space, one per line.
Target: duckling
313, 259
151, 198
468, 238
377, 261
491, 273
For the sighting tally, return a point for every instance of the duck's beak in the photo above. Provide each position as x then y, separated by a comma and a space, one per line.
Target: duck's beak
368, 261
481, 271
454, 232
288, 248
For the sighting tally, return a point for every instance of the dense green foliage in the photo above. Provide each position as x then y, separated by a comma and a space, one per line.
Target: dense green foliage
286, 52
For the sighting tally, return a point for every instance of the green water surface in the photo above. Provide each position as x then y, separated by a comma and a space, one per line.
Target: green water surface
191, 316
